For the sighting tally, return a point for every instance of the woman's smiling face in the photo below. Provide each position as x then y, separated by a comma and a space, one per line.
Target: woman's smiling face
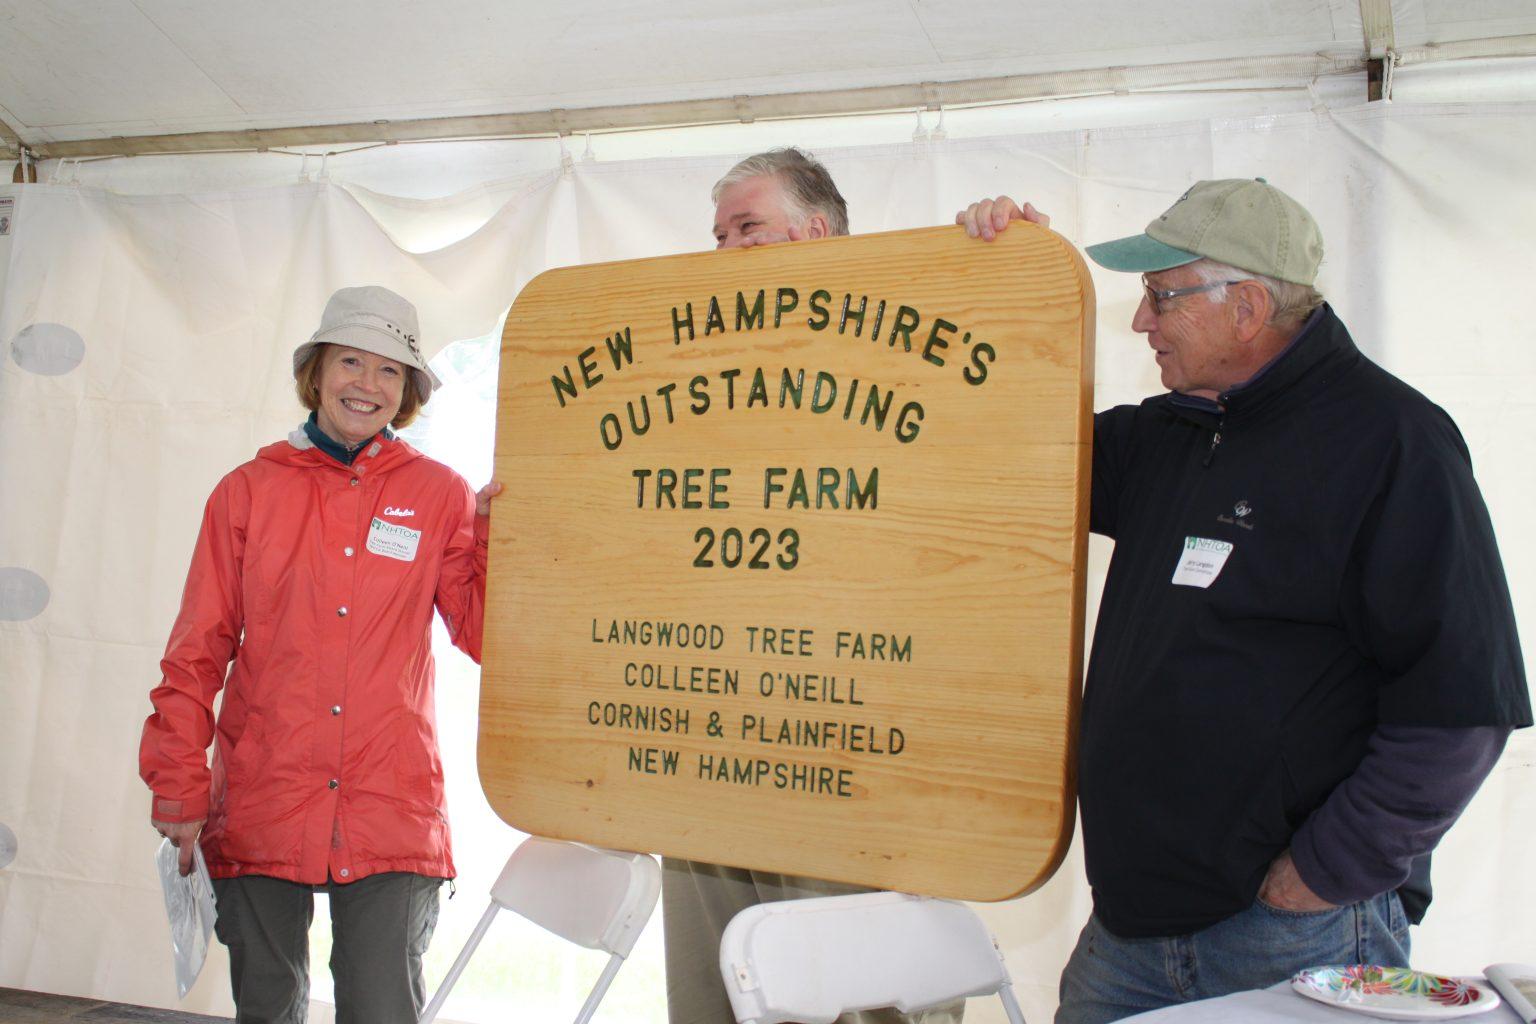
359, 393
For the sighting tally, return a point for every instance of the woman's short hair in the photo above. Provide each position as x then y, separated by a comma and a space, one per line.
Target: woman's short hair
307, 383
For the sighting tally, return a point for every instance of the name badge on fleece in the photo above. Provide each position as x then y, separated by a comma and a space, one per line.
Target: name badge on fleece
393, 540
1202, 562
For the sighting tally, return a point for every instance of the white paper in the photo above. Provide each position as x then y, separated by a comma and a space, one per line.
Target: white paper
1517, 984
393, 540
189, 907
1201, 561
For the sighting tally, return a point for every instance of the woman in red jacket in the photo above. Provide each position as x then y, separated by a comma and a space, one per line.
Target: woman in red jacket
309, 603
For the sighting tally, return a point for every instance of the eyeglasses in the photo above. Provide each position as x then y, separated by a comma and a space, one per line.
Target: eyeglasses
1157, 296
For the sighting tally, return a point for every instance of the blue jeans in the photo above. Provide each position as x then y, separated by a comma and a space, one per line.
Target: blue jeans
1109, 978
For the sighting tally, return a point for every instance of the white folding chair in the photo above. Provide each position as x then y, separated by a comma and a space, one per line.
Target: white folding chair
600, 899
812, 960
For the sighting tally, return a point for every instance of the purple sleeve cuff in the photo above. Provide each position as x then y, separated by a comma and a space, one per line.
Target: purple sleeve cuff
1408, 790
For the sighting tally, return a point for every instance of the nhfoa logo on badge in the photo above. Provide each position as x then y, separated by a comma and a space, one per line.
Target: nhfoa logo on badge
1202, 562
393, 540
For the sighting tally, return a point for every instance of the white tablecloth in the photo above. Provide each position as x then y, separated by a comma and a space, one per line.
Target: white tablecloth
1279, 1005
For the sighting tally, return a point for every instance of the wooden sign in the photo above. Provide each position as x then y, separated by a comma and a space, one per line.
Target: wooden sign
788, 573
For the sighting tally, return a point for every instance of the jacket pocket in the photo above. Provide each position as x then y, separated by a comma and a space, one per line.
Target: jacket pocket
245, 755
418, 765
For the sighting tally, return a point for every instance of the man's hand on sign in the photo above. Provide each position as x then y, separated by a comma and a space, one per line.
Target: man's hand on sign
1283, 888
183, 835
790, 234
987, 217
483, 498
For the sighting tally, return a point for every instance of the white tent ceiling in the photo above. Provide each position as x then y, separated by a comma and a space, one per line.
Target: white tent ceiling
73, 70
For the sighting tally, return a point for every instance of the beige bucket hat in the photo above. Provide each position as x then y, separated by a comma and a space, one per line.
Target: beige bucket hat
375, 320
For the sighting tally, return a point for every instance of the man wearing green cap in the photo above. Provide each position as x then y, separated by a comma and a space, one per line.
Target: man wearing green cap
1305, 661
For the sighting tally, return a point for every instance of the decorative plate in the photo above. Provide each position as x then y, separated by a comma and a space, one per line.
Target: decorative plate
1395, 993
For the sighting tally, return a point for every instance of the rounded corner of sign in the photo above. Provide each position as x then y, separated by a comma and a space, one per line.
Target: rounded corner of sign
1084, 276
1011, 891
540, 280
1042, 865
530, 291
518, 816
504, 809
1016, 887
1058, 852
1027, 235
994, 888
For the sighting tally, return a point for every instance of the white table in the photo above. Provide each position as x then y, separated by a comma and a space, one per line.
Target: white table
1279, 1005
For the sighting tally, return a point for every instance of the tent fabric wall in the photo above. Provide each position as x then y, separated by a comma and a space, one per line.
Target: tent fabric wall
146, 344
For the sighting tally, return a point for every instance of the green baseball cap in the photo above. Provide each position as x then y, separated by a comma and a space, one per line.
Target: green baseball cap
1244, 222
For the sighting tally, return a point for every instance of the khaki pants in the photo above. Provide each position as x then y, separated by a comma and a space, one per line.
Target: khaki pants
380, 927
699, 900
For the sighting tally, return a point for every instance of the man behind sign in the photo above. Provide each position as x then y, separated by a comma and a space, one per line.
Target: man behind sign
779, 196
1306, 660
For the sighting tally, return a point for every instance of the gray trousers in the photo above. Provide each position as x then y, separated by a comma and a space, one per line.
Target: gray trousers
380, 927
699, 900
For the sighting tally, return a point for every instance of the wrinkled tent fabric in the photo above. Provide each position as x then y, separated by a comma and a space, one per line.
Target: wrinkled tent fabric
145, 353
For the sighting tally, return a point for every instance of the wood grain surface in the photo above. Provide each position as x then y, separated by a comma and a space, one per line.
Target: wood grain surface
778, 586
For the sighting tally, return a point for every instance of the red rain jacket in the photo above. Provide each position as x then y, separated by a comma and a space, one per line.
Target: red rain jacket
318, 581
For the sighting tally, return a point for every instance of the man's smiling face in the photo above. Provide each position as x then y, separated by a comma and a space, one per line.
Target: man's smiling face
1192, 337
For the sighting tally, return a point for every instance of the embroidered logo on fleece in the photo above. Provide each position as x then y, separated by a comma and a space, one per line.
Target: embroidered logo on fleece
1240, 517
399, 513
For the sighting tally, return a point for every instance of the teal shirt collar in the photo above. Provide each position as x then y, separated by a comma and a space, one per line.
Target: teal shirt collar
335, 449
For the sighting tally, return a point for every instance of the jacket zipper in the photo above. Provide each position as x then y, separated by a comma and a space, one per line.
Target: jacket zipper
1210, 453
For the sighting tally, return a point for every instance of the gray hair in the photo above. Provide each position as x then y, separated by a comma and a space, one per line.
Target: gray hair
808, 188
1291, 303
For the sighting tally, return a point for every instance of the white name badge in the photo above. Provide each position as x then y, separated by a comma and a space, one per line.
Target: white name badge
393, 540
1202, 562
